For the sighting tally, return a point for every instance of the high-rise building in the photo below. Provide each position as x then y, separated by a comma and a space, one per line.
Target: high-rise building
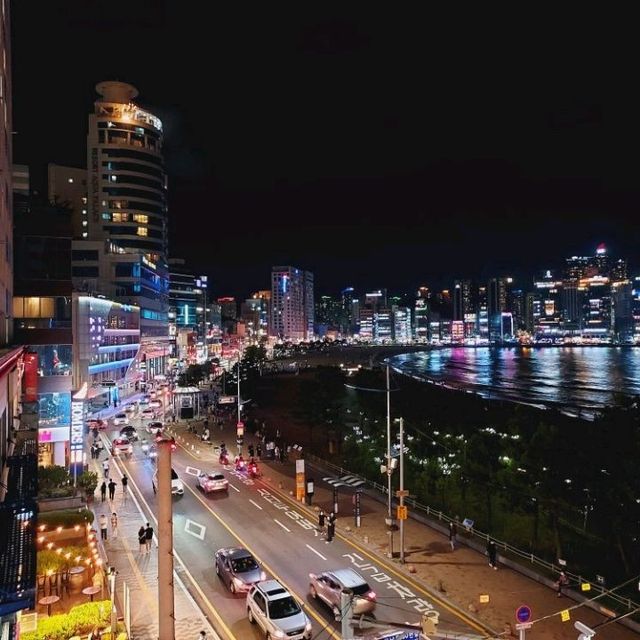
350, 312
483, 313
402, 324
462, 299
329, 315
185, 297
122, 251
292, 303
68, 188
421, 319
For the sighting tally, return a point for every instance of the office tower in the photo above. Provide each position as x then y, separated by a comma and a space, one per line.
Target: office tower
516, 304
68, 187
292, 303
483, 313
186, 300
254, 312
21, 189
402, 324
350, 312
329, 315
124, 252
462, 299
375, 299
383, 324
622, 311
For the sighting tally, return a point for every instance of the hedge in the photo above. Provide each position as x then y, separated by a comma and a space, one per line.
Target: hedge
65, 518
80, 620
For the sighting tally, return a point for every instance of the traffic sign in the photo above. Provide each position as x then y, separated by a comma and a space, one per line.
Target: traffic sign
240, 429
484, 598
585, 586
402, 494
523, 613
565, 616
402, 513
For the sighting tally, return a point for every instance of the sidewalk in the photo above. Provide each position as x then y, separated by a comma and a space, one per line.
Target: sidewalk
140, 571
459, 576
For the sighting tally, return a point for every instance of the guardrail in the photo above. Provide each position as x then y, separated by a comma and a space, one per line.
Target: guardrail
481, 537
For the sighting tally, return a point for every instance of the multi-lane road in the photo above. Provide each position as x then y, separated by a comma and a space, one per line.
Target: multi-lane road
281, 534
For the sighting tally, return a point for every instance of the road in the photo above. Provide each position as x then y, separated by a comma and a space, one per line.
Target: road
280, 535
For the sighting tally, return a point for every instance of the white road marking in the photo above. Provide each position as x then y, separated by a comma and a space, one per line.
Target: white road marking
235, 488
316, 552
190, 524
280, 523
192, 471
255, 504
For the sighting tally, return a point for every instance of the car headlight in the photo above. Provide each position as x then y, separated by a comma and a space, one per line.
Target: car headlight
239, 583
263, 575
278, 634
307, 627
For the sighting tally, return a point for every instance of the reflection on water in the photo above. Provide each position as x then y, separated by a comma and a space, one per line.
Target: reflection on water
578, 379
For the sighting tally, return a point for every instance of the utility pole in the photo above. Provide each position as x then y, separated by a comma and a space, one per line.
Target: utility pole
239, 438
401, 492
166, 617
389, 468
346, 614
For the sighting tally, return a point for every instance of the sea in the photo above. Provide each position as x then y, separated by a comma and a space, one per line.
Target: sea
578, 381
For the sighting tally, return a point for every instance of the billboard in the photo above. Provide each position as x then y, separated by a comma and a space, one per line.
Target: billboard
30, 377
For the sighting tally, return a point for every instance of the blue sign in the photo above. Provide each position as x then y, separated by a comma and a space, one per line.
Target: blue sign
523, 614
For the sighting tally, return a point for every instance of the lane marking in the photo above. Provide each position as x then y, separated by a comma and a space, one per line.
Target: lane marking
310, 610
255, 504
458, 613
190, 524
192, 471
235, 488
280, 523
316, 552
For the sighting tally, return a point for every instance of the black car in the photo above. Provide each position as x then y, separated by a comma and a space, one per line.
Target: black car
129, 432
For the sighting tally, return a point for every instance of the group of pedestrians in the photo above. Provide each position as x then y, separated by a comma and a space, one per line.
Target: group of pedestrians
331, 525
111, 487
103, 523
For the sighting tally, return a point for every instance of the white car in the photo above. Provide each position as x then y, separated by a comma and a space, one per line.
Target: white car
130, 409
214, 481
148, 413
277, 612
155, 404
120, 419
177, 488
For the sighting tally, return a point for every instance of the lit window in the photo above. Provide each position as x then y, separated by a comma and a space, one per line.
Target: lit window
104, 203
84, 212
114, 178
140, 217
70, 180
106, 216
84, 223
142, 231
84, 201
121, 217
84, 234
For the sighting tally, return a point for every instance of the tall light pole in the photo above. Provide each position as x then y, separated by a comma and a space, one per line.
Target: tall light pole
166, 621
389, 469
202, 283
401, 492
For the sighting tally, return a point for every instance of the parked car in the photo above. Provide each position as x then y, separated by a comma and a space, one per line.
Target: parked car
328, 585
277, 612
121, 445
238, 569
120, 419
129, 432
214, 481
177, 488
96, 423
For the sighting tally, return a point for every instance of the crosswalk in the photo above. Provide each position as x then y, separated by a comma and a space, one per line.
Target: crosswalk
345, 481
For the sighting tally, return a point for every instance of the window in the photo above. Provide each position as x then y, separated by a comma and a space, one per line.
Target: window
142, 231
84, 223
140, 217
84, 234
120, 217
105, 215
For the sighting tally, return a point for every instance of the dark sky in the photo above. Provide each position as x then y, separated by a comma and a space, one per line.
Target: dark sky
387, 149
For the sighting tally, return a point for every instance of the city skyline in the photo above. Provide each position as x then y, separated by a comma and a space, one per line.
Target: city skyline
493, 161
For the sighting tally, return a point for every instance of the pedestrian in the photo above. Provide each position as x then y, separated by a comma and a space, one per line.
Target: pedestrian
276, 453
103, 526
114, 524
142, 540
125, 482
492, 552
103, 490
561, 582
321, 519
251, 451
259, 451
202, 635
148, 535
93, 451
453, 533
105, 468
277, 434
112, 489
331, 530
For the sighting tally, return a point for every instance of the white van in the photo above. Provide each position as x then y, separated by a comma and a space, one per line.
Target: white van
177, 488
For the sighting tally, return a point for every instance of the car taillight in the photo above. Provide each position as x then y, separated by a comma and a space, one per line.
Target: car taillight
371, 595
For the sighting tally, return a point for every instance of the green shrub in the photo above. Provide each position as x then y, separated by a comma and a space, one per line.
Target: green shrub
88, 481
53, 477
79, 621
51, 561
67, 518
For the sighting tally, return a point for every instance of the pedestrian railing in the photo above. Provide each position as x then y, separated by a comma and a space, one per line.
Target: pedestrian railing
433, 514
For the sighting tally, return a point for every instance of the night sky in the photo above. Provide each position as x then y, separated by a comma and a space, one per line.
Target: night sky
389, 149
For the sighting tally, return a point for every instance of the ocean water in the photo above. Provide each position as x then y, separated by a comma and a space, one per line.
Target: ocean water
577, 380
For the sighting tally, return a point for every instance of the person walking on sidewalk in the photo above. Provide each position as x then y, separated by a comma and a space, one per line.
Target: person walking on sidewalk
259, 451
492, 552
112, 490
202, 635
103, 490
105, 468
331, 530
103, 526
563, 581
148, 535
453, 533
125, 483
142, 540
114, 524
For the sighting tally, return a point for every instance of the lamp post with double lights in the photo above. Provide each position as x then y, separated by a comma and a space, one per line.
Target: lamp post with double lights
202, 283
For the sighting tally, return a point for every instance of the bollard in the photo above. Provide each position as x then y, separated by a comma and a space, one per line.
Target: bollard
366, 539
280, 486
411, 568
198, 451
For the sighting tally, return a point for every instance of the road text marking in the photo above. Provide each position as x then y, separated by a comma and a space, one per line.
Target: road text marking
255, 504
192, 471
195, 529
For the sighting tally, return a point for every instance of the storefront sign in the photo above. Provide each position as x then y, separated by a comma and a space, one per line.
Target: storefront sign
30, 378
300, 480
77, 429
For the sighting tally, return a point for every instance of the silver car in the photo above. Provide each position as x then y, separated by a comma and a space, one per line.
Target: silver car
277, 612
328, 585
238, 569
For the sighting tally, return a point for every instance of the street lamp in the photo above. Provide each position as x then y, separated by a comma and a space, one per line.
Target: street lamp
112, 589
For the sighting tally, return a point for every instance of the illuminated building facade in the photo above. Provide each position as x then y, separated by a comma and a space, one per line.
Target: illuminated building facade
292, 304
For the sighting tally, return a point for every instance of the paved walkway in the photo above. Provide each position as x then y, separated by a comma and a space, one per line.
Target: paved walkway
460, 576
140, 571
